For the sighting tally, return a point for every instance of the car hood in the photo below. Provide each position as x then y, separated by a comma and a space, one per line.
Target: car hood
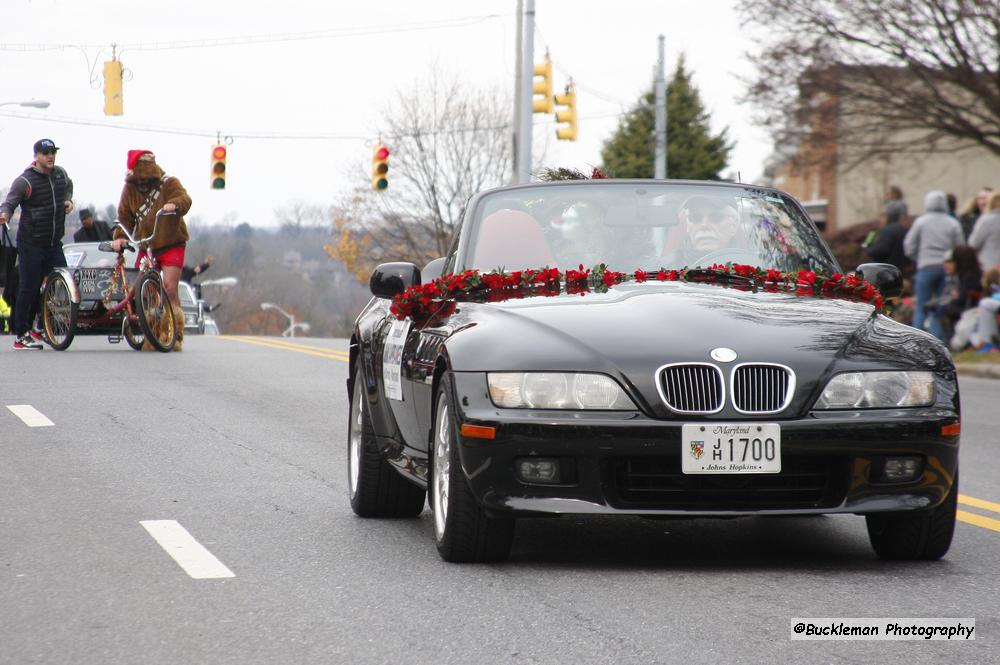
633, 329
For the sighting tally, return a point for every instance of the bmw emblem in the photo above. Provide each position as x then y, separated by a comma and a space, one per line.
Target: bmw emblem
723, 355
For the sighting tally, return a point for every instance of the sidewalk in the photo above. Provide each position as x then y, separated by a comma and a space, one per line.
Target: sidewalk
981, 370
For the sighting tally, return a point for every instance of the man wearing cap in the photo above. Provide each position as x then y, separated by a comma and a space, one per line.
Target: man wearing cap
44, 192
91, 230
710, 224
147, 191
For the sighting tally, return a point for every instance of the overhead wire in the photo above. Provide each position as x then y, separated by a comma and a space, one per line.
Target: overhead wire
263, 135
331, 33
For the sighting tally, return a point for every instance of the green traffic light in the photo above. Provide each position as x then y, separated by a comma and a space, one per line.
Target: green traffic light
218, 183
382, 183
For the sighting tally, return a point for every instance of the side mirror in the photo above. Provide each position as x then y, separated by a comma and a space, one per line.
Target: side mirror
886, 278
433, 269
390, 279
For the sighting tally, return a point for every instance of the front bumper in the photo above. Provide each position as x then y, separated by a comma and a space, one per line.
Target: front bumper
628, 463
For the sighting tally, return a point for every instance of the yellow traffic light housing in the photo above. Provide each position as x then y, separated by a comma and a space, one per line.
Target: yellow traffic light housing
566, 114
542, 100
380, 168
218, 167
113, 71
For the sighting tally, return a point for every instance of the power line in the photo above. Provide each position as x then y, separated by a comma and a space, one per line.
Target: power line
266, 135
331, 33
579, 84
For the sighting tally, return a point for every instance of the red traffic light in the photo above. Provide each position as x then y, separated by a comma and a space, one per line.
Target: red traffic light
381, 152
219, 152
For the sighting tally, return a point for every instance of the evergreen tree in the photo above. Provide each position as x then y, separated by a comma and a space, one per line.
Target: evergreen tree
692, 152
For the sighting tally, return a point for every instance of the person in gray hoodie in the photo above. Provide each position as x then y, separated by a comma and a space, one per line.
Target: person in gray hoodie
933, 235
985, 238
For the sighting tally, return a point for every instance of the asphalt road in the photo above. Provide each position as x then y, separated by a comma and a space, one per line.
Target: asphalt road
231, 455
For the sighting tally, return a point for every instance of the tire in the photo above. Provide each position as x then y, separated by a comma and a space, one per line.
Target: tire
58, 312
156, 316
376, 489
130, 332
915, 535
463, 531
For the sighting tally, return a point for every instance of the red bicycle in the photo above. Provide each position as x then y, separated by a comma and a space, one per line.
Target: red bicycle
114, 301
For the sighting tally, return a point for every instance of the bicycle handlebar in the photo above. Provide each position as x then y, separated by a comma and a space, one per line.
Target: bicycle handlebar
151, 235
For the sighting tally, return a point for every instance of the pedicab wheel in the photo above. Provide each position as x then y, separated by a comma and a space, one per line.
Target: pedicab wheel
156, 316
58, 312
132, 333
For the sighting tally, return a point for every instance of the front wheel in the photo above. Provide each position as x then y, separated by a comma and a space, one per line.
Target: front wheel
463, 531
156, 316
58, 312
915, 534
376, 489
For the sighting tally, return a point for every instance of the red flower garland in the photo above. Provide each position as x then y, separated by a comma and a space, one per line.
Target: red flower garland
426, 299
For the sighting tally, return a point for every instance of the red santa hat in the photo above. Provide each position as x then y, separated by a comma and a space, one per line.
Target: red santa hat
134, 155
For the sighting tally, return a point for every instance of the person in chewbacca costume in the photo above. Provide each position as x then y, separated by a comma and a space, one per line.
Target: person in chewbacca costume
148, 190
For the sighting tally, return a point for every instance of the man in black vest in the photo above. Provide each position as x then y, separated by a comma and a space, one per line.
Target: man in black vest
91, 230
44, 192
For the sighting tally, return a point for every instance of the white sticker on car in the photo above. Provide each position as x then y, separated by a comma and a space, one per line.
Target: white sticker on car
392, 359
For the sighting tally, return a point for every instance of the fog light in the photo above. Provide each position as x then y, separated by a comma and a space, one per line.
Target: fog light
900, 469
538, 470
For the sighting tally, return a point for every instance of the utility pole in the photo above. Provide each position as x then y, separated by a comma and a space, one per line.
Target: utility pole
518, 73
660, 153
527, 79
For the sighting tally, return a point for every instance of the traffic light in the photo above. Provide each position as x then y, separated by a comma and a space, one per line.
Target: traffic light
113, 87
218, 167
380, 168
543, 103
566, 114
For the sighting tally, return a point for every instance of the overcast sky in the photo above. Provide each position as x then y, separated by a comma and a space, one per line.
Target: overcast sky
335, 87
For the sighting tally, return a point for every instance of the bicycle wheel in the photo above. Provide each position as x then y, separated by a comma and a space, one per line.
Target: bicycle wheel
156, 316
132, 332
58, 312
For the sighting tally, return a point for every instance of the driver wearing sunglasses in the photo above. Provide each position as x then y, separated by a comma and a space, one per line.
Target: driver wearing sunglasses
711, 223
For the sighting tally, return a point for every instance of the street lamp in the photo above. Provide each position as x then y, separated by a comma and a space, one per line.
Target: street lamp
292, 325
224, 282
33, 103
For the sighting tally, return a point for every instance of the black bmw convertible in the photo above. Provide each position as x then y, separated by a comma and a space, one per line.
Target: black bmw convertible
651, 348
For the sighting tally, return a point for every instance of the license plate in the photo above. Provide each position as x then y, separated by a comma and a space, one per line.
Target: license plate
731, 448
92, 282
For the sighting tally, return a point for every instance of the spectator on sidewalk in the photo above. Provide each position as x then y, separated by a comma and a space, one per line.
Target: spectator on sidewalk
971, 211
963, 284
91, 230
932, 236
986, 334
985, 238
894, 193
888, 244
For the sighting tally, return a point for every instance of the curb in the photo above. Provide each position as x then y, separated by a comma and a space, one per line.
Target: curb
981, 370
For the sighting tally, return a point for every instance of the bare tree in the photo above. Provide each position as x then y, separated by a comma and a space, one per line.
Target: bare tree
297, 215
878, 76
448, 140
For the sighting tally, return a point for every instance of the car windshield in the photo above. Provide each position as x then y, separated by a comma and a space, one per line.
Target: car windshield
632, 226
186, 294
86, 255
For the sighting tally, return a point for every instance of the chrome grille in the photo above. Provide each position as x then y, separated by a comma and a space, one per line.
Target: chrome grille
692, 387
762, 388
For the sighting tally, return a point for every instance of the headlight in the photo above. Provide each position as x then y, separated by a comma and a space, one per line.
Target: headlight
552, 390
877, 390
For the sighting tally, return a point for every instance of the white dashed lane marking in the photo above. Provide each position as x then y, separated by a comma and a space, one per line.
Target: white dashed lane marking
31, 416
189, 554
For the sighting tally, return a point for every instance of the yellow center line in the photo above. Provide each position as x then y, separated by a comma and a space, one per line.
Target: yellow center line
312, 351
979, 503
979, 520
292, 345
